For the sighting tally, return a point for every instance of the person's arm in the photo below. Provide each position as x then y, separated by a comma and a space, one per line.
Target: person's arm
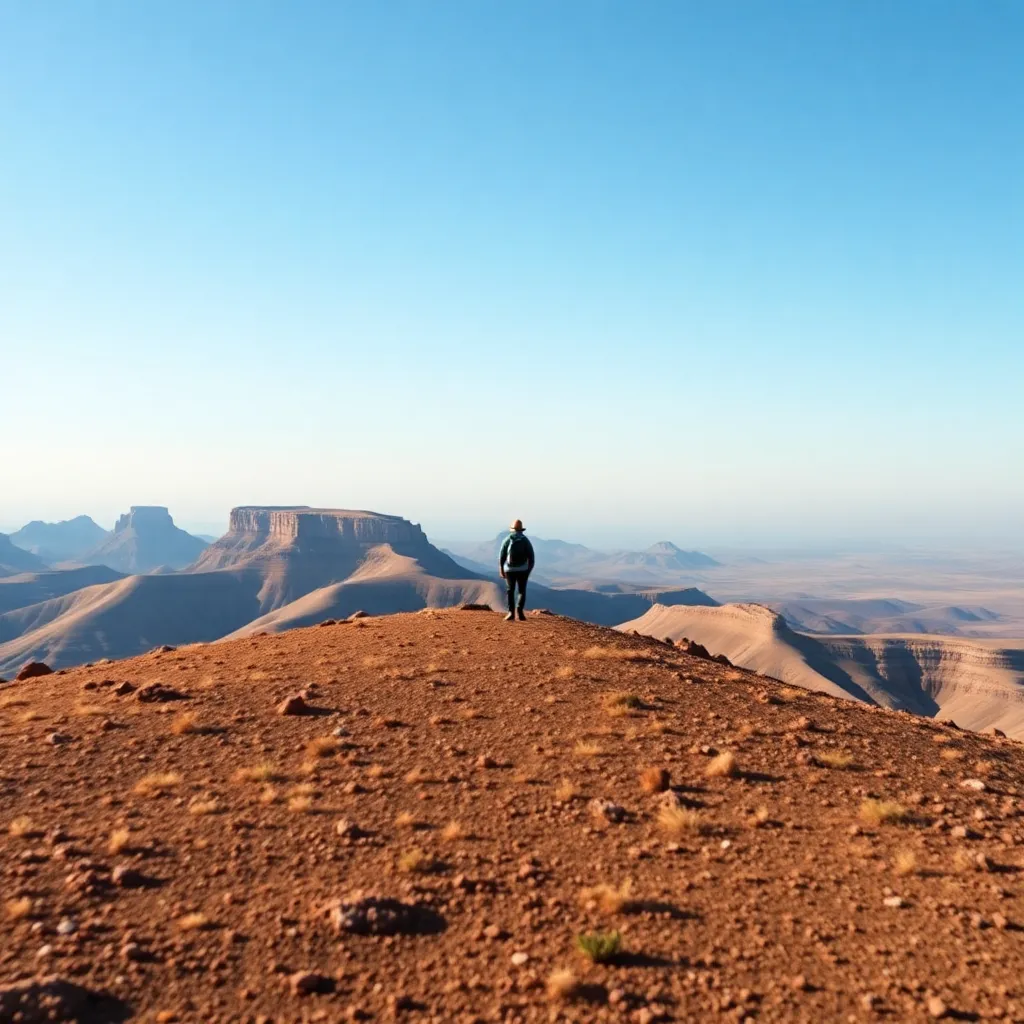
530, 557
501, 558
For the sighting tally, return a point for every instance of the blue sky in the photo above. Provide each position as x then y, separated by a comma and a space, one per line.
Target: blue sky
718, 272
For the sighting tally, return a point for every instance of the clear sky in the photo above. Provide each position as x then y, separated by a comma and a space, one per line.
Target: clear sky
713, 272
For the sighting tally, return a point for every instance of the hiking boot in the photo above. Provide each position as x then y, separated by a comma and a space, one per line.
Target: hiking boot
511, 617
522, 615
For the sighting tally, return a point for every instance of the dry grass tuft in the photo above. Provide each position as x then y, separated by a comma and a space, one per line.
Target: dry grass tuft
566, 791
453, 831
761, 816
834, 759
905, 862
299, 803
376, 771
619, 703
608, 899
677, 822
157, 783
193, 922
21, 826
419, 776
322, 746
259, 773
10, 700
613, 654
724, 766
119, 841
416, 862
585, 748
562, 986
89, 710
883, 812
185, 723
951, 754
201, 806
405, 819
655, 780
269, 795
564, 672
18, 909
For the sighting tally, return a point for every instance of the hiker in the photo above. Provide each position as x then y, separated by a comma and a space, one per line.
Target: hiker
515, 563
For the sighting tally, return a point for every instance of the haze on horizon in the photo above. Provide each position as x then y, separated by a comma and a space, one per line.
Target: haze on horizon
724, 276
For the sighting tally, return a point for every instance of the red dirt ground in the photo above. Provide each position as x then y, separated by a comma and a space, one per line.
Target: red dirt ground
204, 895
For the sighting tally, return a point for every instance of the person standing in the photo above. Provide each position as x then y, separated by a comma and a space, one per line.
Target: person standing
515, 563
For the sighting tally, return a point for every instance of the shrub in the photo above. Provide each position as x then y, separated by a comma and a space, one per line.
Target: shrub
599, 947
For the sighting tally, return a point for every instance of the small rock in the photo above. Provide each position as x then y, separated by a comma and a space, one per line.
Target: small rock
303, 983
1000, 921
959, 832
976, 784
484, 761
937, 1009
133, 953
293, 705
607, 809
58, 739
520, 958
896, 902
347, 829
66, 926
127, 877
799, 983
123, 689
32, 670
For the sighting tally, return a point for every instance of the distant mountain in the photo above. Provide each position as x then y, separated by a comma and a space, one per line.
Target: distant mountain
66, 541
564, 564
15, 560
852, 616
666, 556
146, 539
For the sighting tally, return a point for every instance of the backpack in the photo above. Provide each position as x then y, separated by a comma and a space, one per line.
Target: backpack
518, 555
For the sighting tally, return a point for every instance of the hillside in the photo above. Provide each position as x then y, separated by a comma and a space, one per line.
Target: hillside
14, 560
274, 569
34, 587
146, 539
68, 540
210, 859
977, 683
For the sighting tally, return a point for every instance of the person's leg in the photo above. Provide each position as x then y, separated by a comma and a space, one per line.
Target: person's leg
523, 577
510, 593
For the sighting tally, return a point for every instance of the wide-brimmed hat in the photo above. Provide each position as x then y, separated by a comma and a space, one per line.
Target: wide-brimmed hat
518, 525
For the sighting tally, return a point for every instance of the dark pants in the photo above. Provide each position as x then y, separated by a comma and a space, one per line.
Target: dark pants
513, 580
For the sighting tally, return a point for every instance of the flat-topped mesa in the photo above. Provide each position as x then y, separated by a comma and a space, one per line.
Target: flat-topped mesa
144, 516
301, 523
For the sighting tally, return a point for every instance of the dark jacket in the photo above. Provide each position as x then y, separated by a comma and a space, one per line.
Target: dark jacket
528, 548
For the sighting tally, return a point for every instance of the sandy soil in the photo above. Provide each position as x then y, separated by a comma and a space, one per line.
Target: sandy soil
203, 858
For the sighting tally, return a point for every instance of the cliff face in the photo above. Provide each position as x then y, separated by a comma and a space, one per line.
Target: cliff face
930, 675
301, 524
